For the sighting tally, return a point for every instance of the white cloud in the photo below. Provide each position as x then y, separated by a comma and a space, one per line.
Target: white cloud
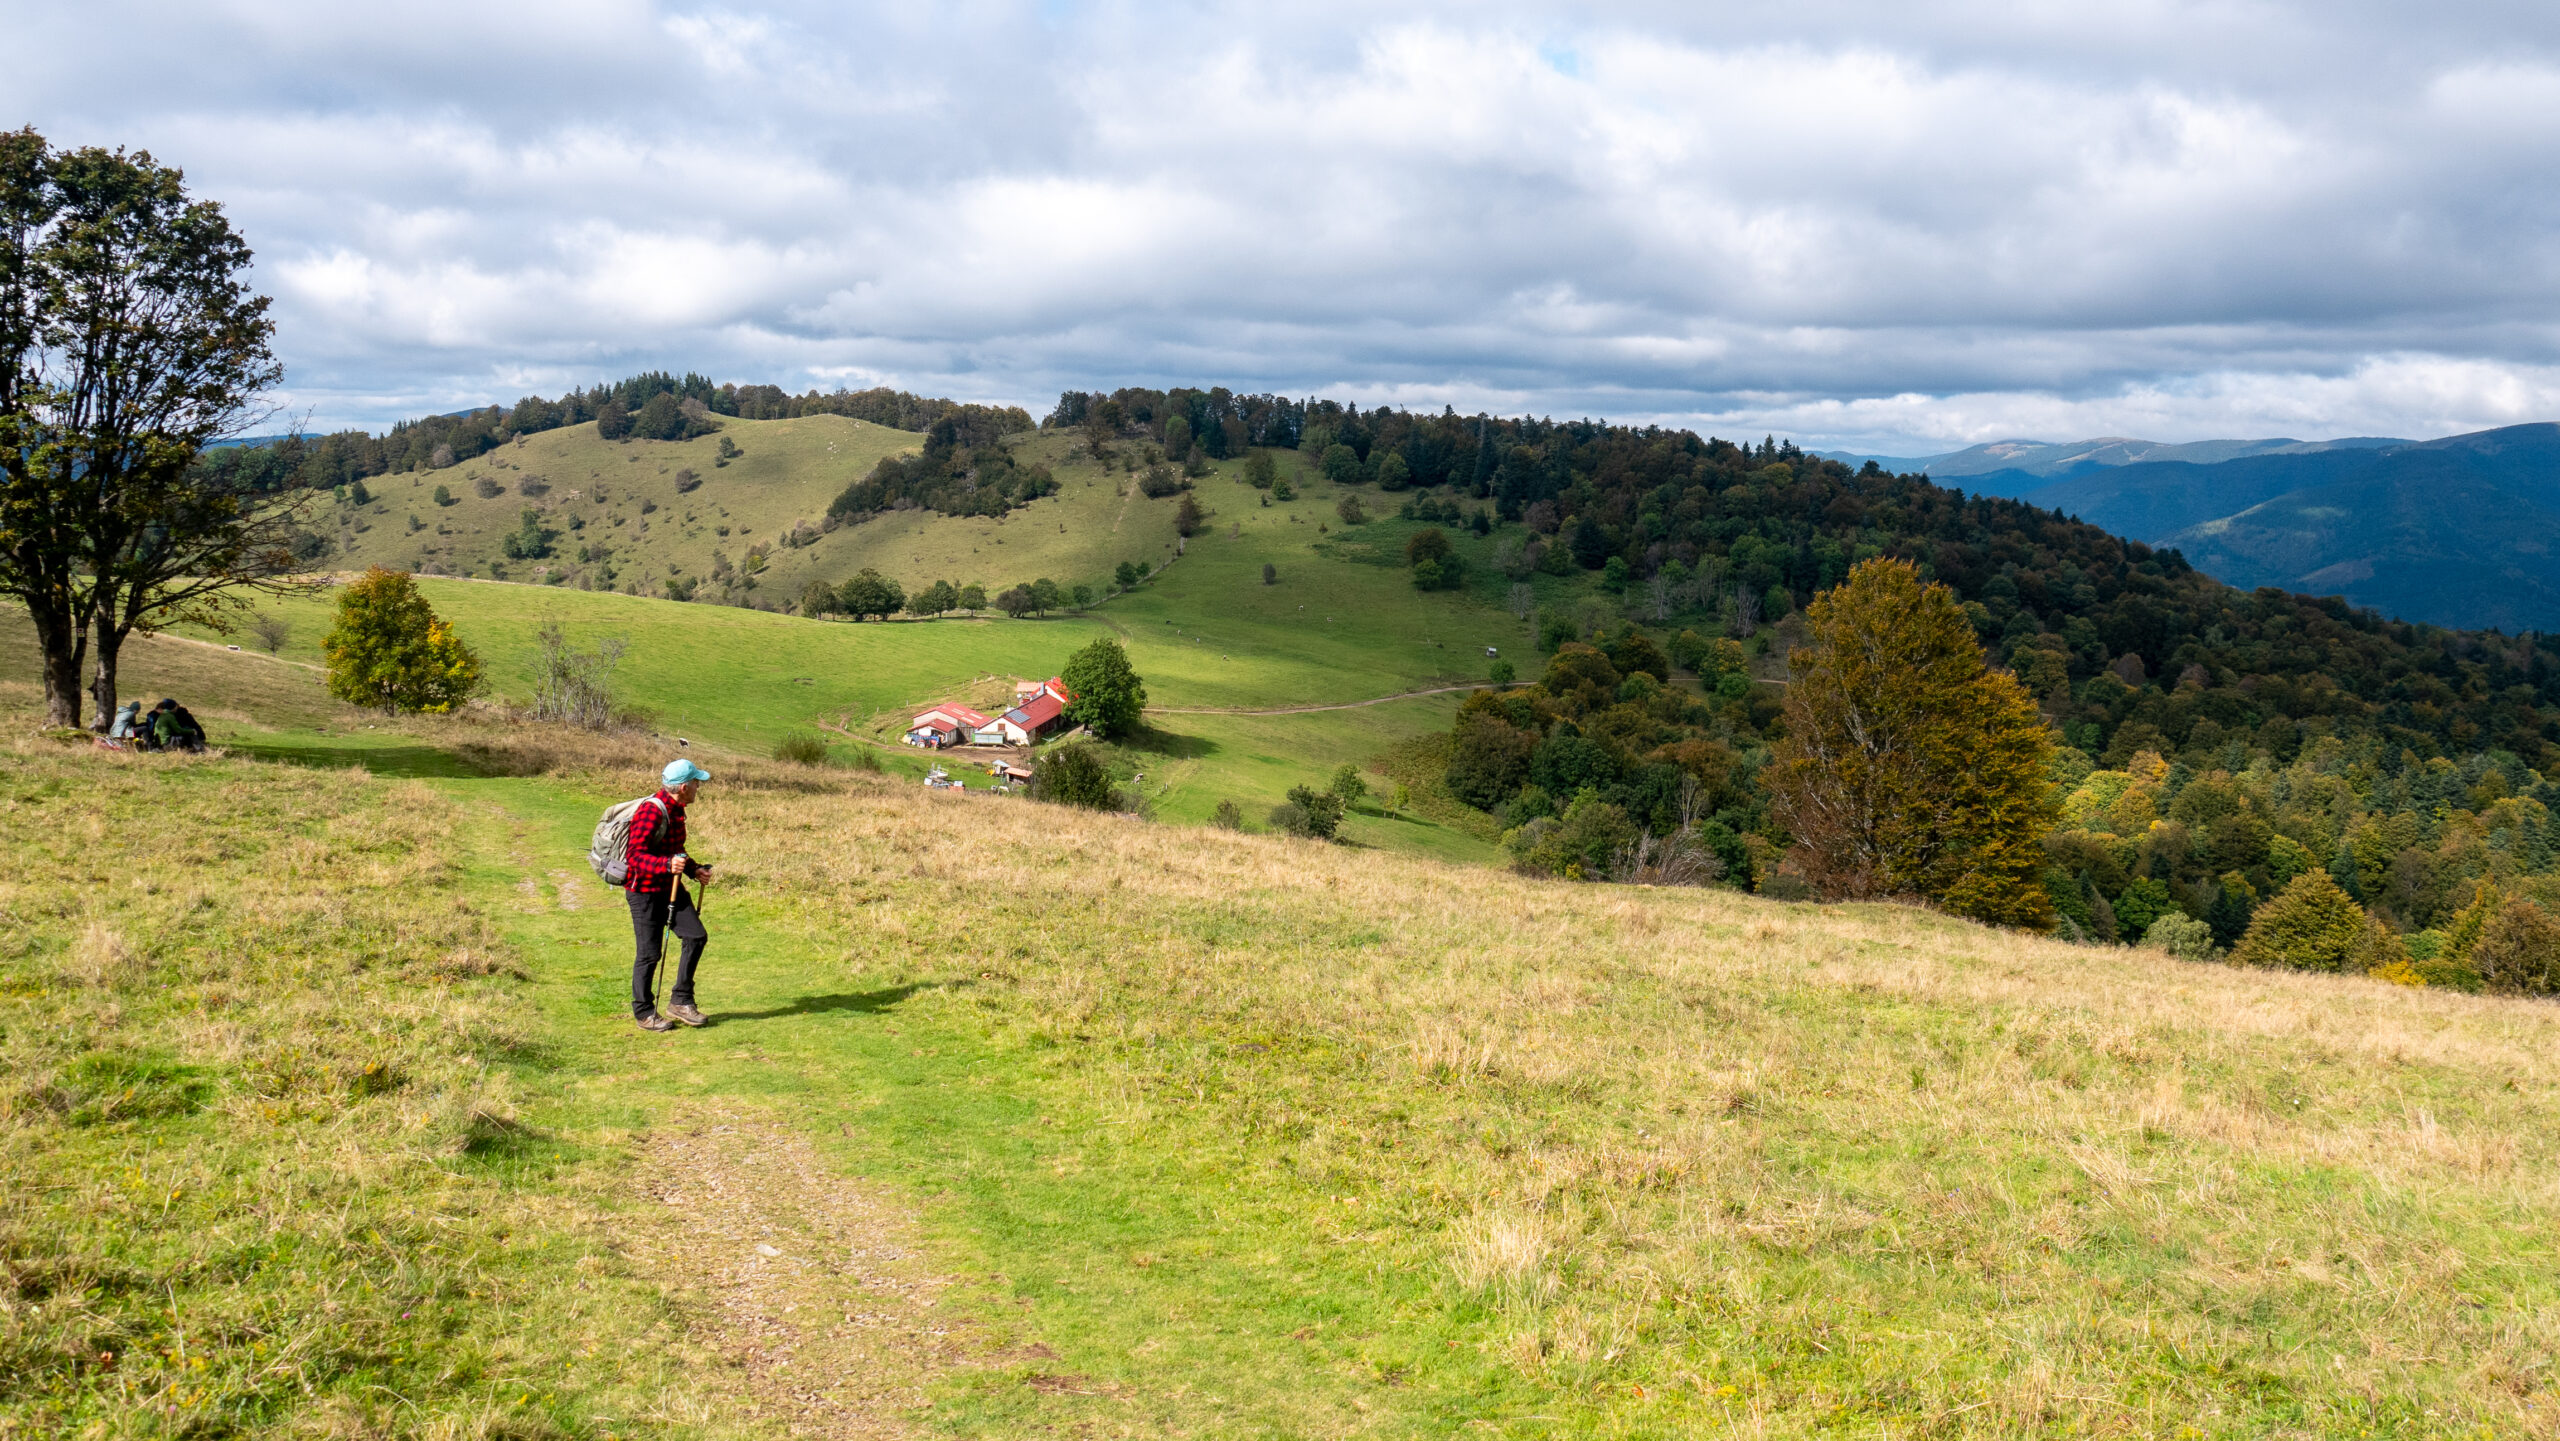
1861, 224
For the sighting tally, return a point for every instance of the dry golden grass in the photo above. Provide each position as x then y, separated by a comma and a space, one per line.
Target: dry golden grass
1731, 1163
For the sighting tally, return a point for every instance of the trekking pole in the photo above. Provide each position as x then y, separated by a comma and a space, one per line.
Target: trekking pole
666, 963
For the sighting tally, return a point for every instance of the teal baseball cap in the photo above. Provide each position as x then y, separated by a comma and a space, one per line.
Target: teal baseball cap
678, 772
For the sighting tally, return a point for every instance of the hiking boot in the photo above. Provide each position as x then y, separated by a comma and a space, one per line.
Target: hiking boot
684, 1011
654, 1022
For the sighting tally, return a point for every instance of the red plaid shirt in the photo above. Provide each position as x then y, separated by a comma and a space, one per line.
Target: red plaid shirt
650, 858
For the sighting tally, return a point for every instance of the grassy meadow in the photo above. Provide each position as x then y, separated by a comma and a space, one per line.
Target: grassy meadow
324, 1118
1340, 624
1340, 621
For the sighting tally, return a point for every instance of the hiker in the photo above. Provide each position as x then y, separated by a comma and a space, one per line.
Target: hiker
653, 864
128, 722
174, 728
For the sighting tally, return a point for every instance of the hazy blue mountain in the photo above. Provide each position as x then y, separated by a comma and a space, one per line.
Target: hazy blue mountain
2015, 467
2463, 531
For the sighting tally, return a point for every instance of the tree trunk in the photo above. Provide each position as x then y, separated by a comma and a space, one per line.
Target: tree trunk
66, 645
102, 679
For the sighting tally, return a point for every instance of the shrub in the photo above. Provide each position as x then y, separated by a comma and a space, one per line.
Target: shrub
2518, 953
533, 485
1581, 846
1188, 517
487, 489
1075, 775
1260, 471
1348, 508
687, 481
1348, 785
807, 750
1289, 819
1161, 481
1270, 573
1227, 817
2181, 935
2311, 925
1322, 811
1281, 489
444, 496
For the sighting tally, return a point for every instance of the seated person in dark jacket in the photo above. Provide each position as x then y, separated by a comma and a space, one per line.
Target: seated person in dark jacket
173, 728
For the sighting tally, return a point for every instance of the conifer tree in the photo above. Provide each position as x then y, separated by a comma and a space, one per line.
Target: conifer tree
1910, 767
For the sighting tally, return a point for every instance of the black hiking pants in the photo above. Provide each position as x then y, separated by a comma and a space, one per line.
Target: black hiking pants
650, 916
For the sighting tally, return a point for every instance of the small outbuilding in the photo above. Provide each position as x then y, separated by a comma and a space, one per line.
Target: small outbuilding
947, 725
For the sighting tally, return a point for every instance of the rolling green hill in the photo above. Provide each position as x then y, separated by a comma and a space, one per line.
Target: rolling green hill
620, 519
1254, 687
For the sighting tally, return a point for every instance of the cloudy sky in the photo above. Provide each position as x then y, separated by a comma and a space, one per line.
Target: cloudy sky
1896, 226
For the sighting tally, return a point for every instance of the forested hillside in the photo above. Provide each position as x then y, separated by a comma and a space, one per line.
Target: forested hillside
2220, 743
2128, 646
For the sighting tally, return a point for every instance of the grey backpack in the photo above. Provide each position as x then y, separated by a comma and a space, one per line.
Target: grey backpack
609, 851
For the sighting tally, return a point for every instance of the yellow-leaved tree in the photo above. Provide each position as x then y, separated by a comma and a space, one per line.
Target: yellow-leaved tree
1910, 766
390, 649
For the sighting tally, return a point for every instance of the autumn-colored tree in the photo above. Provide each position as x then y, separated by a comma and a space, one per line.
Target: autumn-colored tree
2518, 952
2311, 925
1910, 767
390, 649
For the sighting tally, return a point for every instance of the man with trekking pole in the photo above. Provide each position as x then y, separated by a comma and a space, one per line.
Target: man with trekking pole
654, 868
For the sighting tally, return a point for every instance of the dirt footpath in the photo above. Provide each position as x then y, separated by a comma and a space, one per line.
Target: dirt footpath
806, 1281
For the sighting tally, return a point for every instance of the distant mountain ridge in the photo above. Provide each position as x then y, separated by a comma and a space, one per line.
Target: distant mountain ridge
2019, 464
2463, 531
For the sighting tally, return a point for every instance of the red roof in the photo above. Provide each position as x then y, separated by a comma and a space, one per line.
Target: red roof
960, 713
1038, 712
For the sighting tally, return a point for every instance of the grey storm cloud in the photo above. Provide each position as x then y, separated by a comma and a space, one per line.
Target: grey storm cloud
1857, 224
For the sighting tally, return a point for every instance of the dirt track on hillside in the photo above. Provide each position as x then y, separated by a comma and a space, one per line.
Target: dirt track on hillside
806, 1282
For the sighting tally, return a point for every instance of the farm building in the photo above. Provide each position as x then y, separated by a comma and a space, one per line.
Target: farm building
1042, 714
947, 725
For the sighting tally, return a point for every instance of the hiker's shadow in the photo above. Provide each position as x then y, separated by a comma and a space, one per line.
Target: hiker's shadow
861, 1003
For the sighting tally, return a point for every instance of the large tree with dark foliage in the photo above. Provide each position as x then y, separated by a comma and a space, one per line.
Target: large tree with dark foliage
128, 342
